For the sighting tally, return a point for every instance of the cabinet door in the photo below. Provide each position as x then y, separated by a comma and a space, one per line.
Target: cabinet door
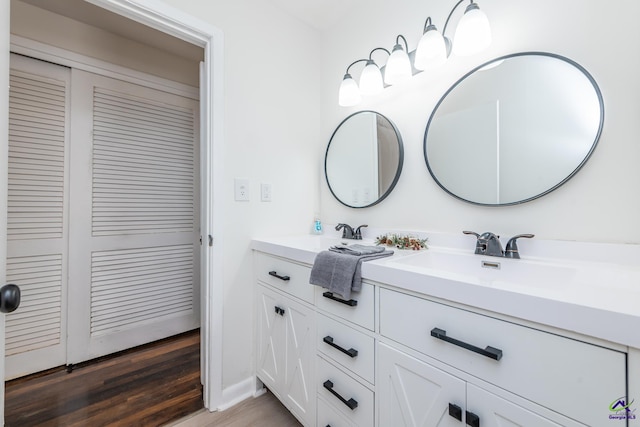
299, 343
494, 411
414, 393
270, 338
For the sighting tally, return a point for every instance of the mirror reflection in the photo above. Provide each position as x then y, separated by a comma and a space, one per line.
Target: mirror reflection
364, 159
514, 129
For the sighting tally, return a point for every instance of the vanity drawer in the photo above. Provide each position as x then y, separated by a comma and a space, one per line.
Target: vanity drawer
569, 376
328, 416
284, 275
348, 347
359, 309
359, 397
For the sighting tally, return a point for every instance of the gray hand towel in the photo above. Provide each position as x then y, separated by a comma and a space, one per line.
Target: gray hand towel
357, 249
341, 272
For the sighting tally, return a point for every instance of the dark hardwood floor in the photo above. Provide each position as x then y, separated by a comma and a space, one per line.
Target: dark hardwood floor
150, 385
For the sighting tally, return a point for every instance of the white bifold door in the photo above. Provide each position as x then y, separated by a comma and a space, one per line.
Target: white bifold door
103, 224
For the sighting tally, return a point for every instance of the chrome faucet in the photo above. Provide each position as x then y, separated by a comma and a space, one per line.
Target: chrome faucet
489, 244
349, 233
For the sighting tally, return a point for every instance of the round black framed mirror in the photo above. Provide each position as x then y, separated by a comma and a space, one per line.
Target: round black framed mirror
514, 129
364, 159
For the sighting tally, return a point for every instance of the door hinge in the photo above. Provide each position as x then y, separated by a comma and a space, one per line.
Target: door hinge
210, 240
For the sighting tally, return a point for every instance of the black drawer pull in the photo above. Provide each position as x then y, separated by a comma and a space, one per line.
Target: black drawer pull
351, 403
472, 419
351, 352
455, 411
351, 302
275, 274
490, 352
279, 310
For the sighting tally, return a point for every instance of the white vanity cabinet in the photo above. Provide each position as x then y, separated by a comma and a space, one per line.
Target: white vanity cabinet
285, 335
412, 392
313, 348
556, 374
393, 356
345, 343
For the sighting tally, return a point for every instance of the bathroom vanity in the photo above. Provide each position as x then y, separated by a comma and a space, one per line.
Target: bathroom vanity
435, 339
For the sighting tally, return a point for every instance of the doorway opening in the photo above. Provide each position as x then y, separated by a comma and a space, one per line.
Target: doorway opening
210, 372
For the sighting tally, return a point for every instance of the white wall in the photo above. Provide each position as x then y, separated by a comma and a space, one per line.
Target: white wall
271, 125
601, 203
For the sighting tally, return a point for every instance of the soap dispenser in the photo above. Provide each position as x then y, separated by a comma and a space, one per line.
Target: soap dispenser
317, 224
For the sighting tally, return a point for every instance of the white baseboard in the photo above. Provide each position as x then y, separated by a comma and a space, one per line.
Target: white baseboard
237, 393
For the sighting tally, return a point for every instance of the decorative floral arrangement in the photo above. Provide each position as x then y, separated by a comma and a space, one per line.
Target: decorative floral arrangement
402, 242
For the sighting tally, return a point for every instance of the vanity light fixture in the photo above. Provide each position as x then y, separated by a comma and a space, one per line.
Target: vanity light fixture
349, 94
432, 48
398, 68
371, 77
472, 35
371, 82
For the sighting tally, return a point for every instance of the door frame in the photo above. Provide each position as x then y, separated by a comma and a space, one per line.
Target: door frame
177, 23
4, 163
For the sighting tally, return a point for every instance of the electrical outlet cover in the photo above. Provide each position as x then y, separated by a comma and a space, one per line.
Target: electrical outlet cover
241, 192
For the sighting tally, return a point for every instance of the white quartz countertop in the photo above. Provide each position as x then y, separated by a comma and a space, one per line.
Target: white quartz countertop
595, 298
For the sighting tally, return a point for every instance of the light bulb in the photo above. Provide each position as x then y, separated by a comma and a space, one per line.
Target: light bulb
371, 79
349, 94
473, 33
398, 68
431, 51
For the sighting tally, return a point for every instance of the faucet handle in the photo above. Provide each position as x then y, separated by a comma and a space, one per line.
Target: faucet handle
472, 232
358, 234
511, 250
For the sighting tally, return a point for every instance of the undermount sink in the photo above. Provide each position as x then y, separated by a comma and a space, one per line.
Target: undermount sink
491, 270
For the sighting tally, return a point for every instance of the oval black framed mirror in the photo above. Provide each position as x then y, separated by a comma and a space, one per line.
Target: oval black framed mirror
364, 159
514, 129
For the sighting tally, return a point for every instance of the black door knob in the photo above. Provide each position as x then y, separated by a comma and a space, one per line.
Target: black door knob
9, 298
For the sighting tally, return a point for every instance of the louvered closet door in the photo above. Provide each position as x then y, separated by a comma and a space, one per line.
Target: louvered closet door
37, 215
134, 261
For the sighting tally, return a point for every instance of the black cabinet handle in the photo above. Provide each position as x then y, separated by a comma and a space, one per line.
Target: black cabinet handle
351, 403
275, 274
472, 419
279, 310
350, 302
490, 352
351, 352
455, 411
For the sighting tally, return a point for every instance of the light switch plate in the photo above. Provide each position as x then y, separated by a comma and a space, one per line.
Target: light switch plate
241, 192
265, 192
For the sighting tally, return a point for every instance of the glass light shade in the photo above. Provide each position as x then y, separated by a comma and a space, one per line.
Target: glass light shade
473, 33
398, 68
431, 51
371, 79
349, 94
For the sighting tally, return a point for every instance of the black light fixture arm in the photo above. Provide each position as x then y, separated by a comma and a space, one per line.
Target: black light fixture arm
354, 63
378, 48
406, 46
427, 24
